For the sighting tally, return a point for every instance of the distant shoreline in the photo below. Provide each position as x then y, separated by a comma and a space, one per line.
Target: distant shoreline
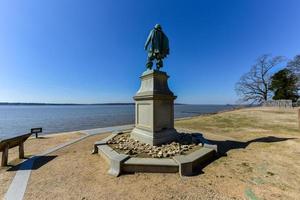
92, 104
60, 104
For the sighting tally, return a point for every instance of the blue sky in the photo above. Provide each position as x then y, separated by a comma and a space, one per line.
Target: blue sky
69, 51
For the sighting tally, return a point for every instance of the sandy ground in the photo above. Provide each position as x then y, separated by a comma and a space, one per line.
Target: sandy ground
32, 146
76, 174
260, 148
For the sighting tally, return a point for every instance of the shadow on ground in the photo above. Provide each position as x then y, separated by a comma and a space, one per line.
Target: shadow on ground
33, 163
42, 137
227, 145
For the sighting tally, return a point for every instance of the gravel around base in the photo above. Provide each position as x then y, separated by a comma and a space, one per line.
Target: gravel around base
124, 144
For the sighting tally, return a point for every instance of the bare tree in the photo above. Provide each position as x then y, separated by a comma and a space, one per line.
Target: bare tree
253, 87
294, 66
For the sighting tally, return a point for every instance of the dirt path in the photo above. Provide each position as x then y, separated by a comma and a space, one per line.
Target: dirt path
33, 146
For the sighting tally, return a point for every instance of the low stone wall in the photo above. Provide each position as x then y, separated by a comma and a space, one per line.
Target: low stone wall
283, 103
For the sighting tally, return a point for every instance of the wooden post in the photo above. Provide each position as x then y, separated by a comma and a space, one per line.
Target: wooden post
4, 156
21, 150
299, 118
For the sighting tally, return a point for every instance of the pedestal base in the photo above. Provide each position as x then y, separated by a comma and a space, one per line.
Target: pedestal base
154, 138
154, 110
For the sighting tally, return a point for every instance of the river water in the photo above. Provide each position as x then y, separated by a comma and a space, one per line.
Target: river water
19, 119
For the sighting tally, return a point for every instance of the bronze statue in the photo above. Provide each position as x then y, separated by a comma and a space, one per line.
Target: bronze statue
158, 44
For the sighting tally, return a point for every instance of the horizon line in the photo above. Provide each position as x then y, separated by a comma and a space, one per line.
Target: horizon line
113, 103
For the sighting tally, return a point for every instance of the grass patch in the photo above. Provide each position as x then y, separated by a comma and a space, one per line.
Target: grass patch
245, 121
249, 194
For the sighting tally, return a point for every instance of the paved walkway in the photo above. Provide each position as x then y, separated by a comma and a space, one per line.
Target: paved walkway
18, 186
107, 129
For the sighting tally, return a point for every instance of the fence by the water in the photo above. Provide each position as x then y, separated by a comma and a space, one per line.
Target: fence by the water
283, 103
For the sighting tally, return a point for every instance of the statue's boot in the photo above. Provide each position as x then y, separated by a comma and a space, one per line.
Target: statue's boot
149, 65
159, 64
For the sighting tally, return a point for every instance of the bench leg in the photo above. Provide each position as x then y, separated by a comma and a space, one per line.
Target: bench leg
21, 150
4, 157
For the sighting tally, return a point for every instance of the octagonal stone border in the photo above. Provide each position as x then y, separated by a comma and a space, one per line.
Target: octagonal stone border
186, 165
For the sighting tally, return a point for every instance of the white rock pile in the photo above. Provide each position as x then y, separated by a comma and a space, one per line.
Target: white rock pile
133, 147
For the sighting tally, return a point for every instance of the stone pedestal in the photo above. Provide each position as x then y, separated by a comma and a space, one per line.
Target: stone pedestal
154, 110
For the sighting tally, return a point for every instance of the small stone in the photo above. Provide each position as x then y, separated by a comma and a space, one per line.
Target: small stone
160, 153
185, 147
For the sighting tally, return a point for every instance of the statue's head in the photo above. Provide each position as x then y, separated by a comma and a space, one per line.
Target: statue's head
157, 26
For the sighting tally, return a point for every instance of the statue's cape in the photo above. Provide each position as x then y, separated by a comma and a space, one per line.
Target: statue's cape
159, 43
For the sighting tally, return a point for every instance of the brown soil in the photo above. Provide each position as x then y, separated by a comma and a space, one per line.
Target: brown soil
76, 174
260, 147
32, 146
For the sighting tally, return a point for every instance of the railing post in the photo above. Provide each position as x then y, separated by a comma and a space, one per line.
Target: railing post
4, 156
21, 150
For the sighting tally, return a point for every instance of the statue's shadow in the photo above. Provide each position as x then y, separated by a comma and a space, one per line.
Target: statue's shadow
223, 146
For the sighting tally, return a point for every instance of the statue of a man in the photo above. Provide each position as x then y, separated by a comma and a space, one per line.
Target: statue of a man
158, 44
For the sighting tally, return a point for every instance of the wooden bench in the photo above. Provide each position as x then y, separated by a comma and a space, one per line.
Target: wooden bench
7, 143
